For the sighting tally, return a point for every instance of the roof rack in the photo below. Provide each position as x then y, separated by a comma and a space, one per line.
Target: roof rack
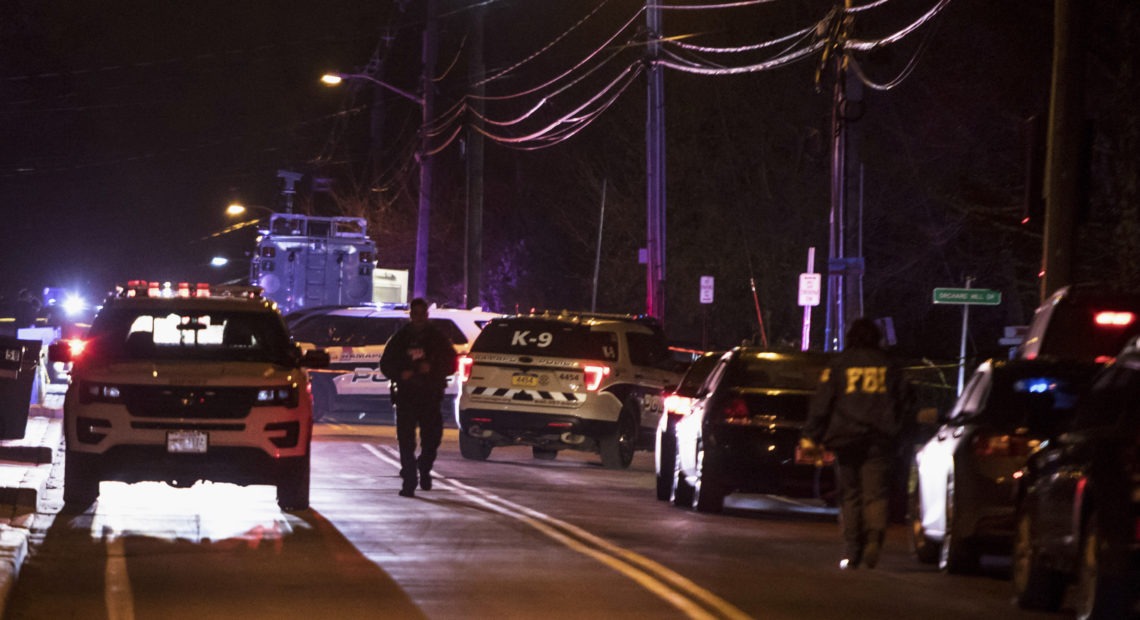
578, 316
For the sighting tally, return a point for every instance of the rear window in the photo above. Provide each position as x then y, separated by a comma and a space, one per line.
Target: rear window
1043, 403
1090, 331
763, 370
546, 339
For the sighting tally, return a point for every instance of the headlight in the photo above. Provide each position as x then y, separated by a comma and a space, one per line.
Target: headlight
284, 396
90, 392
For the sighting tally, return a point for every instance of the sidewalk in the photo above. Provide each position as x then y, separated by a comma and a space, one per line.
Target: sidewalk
25, 465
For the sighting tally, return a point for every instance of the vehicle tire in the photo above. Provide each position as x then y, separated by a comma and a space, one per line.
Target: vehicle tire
957, 555
925, 549
682, 492
708, 492
668, 450
473, 448
80, 479
293, 484
1102, 592
1034, 585
617, 447
544, 454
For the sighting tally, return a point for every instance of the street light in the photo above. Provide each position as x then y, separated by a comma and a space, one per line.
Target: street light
419, 281
236, 208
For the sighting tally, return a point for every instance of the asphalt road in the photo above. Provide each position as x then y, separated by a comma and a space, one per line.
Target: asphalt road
510, 537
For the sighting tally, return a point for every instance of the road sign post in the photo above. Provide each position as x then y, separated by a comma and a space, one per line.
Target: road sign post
966, 297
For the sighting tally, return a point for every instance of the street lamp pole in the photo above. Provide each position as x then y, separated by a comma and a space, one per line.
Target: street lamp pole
424, 157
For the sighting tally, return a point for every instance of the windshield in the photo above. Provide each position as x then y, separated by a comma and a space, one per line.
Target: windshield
170, 334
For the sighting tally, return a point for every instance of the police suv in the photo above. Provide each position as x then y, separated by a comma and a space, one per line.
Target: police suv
355, 338
186, 384
565, 381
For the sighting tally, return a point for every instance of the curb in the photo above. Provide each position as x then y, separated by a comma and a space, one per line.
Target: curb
25, 467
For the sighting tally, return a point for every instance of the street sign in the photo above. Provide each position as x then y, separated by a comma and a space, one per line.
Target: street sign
706, 289
809, 288
967, 296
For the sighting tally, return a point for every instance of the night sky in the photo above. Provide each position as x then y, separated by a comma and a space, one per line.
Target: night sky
128, 125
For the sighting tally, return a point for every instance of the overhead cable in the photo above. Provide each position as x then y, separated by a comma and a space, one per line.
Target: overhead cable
702, 7
743, 48
546, 47
865, 45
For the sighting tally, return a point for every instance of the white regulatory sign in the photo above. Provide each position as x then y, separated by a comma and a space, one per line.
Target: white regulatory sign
809, 288
706, 289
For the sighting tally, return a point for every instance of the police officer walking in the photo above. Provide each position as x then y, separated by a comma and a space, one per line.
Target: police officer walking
418, 359
857, 413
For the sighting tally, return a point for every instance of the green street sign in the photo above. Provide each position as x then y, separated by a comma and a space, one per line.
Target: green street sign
972, 296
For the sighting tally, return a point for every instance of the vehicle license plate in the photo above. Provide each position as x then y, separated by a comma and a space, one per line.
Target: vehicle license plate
192, 442
524, 381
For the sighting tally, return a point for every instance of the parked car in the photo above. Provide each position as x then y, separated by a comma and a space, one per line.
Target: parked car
678, 403
743, 431
355, 338
1088, 322
1078, 504
961, 495
565, 381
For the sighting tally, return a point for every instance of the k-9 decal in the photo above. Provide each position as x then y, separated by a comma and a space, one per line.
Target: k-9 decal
523, 337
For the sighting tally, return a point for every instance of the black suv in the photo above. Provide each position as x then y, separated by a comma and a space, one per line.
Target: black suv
1078, 504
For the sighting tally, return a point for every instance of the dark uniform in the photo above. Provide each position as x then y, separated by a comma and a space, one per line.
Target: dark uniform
857, 413
418, 359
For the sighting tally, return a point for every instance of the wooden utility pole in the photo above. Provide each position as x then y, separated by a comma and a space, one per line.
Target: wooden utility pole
473, 257
1063, 150
423, 224
655, 170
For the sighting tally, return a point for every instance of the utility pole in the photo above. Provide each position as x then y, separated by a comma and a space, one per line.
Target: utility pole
655, 170
1062, 157
423, 225
473, 256
835, 318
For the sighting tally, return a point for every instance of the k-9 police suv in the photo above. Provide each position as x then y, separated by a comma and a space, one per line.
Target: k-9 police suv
589, 382
196, 384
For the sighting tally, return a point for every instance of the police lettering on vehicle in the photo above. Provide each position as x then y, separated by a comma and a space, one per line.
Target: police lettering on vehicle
522, 338
867, 379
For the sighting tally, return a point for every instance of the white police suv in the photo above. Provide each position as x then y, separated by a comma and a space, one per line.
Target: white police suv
565, 381
186, 384
354, 337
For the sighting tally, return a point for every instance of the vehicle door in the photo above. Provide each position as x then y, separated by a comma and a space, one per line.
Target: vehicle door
935, 461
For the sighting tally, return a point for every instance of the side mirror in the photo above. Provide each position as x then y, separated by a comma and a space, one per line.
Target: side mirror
315, 358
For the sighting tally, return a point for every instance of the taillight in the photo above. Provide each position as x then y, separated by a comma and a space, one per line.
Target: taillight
1111, 318
594, 376
679, 405
465, 364
75, 347
736, 410
999, 444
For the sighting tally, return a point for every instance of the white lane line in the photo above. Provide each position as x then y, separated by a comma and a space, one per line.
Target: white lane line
666, 584
117, 595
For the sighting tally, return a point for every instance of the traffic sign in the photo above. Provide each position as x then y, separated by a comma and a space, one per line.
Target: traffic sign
706, 289
967, 296
809, 289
